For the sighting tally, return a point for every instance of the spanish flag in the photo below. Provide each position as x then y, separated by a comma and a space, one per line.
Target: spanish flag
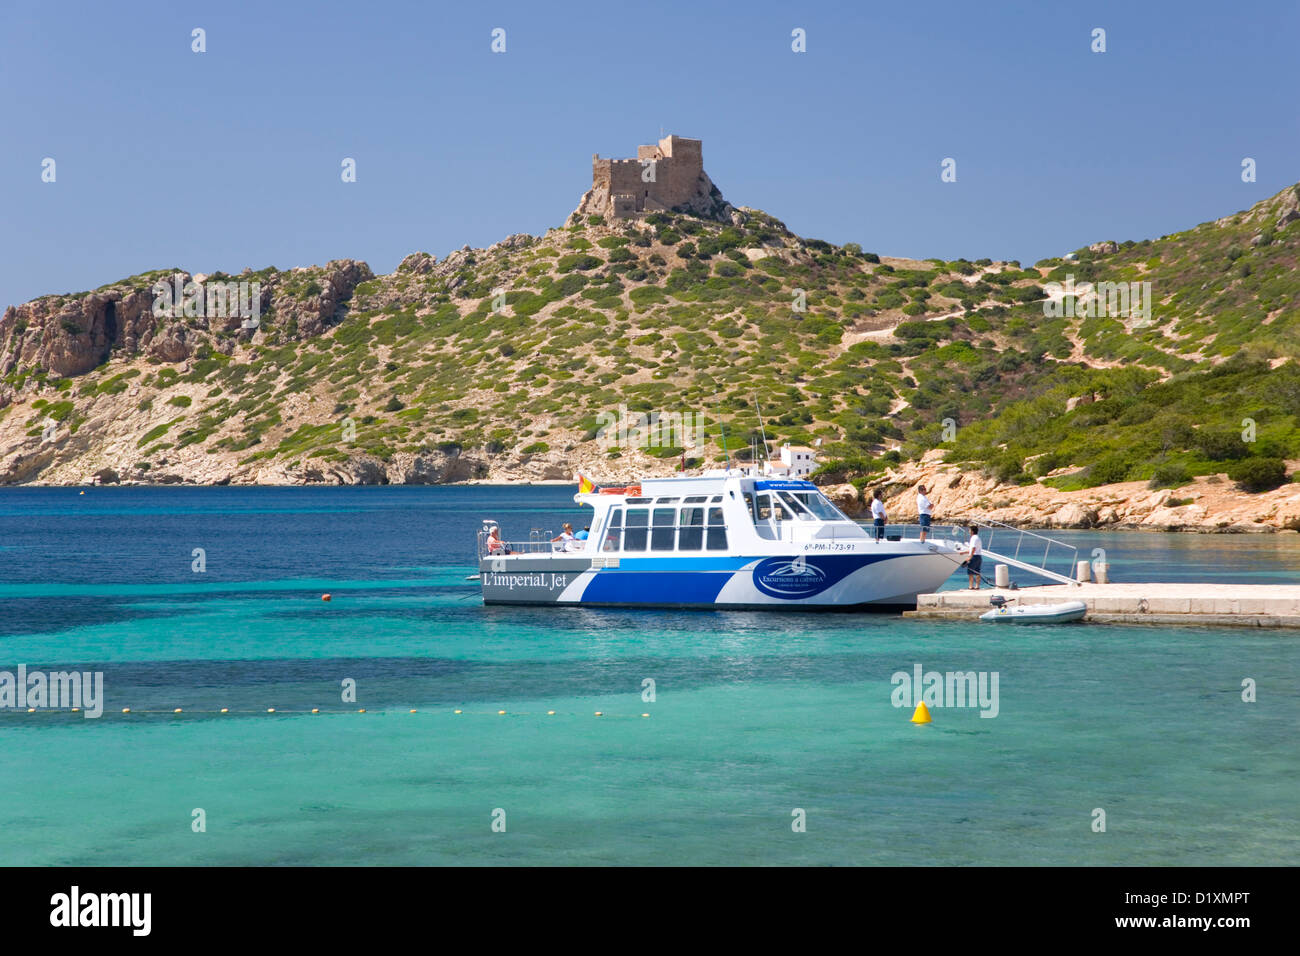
585, 485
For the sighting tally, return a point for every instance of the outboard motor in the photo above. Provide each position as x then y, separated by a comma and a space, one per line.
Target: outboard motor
997, 600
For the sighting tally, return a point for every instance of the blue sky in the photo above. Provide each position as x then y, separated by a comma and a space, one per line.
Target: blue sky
231, 158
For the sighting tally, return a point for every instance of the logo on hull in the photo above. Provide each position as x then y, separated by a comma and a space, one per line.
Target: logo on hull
790, 578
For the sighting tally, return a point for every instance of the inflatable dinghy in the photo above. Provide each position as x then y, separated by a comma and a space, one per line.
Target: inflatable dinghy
1034, 613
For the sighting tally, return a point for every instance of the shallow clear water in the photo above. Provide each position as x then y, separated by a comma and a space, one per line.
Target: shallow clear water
754, 715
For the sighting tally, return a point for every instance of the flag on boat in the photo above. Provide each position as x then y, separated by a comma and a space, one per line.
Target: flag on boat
585, 485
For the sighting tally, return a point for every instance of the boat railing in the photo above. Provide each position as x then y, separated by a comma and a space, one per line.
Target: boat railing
539, 543
1019, 547
903, 532
1030, 542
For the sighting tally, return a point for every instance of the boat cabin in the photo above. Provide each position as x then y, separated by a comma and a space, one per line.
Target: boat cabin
731, 513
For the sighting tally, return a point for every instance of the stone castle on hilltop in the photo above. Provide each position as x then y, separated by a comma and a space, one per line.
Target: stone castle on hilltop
666, 177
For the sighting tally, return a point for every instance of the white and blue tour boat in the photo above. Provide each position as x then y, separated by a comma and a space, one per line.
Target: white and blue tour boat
722, 540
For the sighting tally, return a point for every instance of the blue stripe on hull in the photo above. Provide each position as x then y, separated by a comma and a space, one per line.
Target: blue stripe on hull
718, 563
655, 587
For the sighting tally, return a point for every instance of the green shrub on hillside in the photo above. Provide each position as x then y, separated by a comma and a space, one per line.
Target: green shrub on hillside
1258, 474
1171, 474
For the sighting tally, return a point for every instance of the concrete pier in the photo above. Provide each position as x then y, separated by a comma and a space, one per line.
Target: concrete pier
1232, 605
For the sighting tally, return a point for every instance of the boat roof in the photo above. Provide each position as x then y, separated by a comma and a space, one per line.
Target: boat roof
701, 485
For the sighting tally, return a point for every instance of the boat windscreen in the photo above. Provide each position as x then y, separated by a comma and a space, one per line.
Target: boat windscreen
821, 506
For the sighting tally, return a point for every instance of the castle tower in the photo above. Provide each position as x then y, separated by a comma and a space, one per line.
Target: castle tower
666, 176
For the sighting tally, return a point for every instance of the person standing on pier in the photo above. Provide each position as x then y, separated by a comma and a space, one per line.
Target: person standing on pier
924, 510
975, 561
878, 513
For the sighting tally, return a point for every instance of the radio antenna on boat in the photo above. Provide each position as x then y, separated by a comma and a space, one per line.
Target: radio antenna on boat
725, 453
767, 452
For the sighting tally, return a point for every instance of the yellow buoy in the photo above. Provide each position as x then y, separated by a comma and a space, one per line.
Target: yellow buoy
270, 710
126, 710
455, 711
176, 711
550, 713
361, 711
315, 710
645, 715
325, 597
501, 712
599, 714
412, 710
31, 710
922, 714
225, 710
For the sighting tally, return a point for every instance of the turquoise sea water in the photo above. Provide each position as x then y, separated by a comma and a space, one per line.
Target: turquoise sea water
755, 715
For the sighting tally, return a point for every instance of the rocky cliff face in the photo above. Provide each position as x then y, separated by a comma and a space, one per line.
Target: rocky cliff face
1207, 504
66, 336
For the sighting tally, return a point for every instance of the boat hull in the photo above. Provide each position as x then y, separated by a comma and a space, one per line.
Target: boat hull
863, 580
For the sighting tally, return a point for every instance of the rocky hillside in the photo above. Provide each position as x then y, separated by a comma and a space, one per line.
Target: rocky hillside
494, 364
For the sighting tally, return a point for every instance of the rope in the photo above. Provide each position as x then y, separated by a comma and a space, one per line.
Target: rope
182, 711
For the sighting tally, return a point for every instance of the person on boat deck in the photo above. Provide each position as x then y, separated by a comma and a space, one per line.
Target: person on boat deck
976, 559
494, 543
565, 538
923, 511
584, 534
878, 513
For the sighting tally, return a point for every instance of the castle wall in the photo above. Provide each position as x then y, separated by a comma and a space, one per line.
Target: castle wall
678, 165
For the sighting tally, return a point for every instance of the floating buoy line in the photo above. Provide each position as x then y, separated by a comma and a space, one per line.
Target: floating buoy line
459, 712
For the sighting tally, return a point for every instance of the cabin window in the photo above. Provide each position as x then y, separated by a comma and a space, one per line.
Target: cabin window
770, 508
802, 513
690, 531
662, 531
637, 529
717, 531
695, 499
614, 533
665, 501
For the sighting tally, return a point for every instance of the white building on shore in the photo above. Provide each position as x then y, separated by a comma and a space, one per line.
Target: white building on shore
794, 461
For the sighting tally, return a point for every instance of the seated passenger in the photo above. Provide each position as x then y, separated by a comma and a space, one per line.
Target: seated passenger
494, 543
565, 538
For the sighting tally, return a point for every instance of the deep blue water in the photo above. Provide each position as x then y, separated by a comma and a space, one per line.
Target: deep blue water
754, 715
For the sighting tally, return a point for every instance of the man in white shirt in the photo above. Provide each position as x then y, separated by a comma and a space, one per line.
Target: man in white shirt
923, 510
976, 559
878, 513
